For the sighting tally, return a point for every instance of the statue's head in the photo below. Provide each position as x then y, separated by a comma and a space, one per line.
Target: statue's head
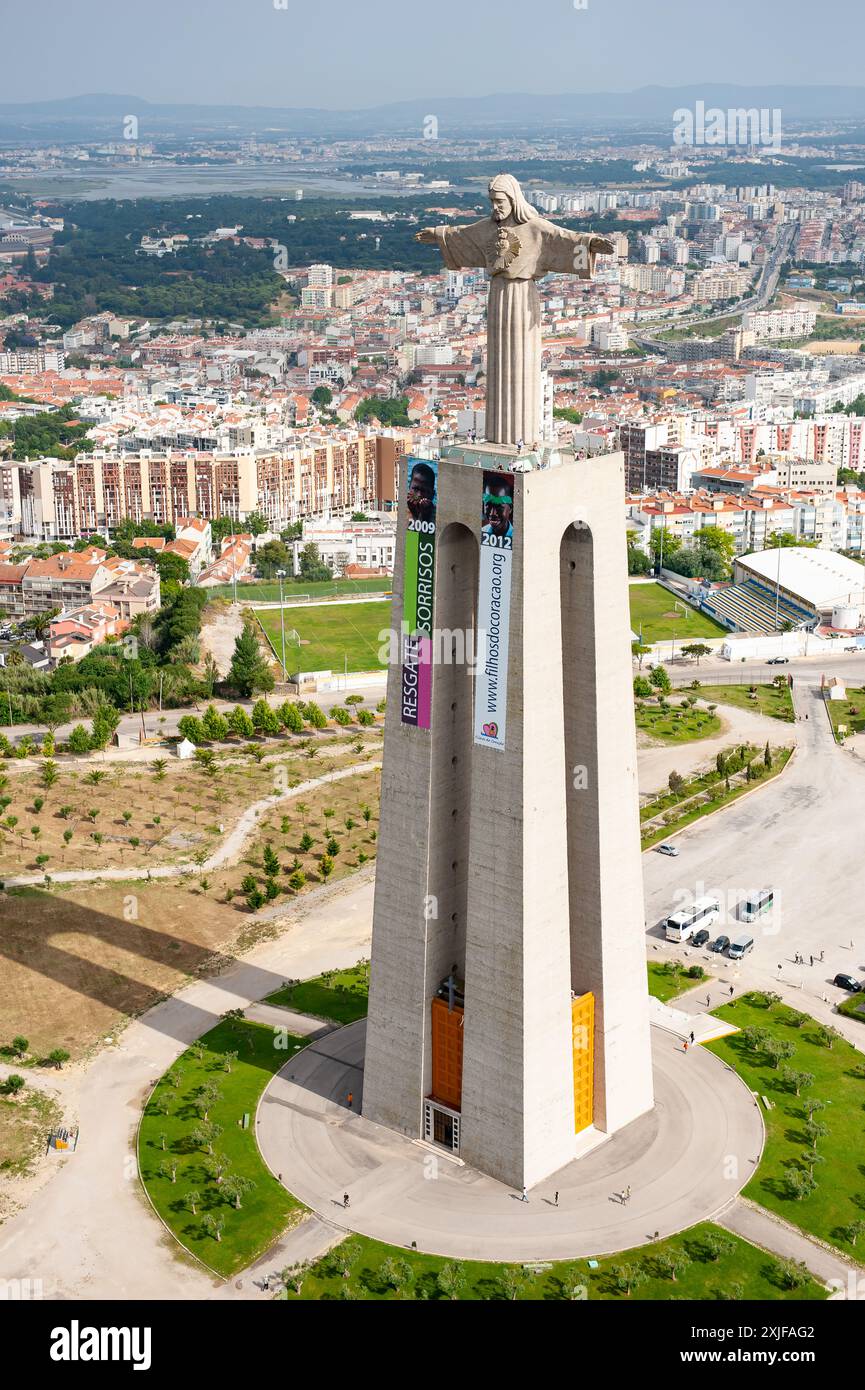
507, 200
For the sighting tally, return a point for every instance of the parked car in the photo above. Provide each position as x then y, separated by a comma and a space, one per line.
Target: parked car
778, 661
720, 943
667, 849
740, 947
847, 982
700, 937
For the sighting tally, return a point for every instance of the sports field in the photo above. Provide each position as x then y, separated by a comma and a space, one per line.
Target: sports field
329, 636
664, 616
299, 590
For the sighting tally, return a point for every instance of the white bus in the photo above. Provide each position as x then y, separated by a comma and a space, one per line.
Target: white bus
701, 913
756, 904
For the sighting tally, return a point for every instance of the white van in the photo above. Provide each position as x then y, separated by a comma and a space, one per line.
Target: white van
740, 947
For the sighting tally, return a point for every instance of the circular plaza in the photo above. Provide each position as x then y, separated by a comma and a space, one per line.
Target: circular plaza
680, 1164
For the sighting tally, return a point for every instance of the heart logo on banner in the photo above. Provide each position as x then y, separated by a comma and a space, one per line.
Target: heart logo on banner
490, 730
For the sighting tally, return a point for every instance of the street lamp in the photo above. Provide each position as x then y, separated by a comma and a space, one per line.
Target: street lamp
281, 575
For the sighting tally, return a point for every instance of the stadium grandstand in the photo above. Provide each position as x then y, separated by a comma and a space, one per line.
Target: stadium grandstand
790, 589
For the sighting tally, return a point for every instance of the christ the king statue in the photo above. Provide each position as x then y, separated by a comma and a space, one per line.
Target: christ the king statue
517, 247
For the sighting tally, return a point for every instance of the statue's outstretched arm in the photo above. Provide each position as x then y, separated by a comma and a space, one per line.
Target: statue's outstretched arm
462, 247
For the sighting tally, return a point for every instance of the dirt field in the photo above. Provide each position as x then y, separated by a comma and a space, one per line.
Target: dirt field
834, 345
79, 960
134, 816
25, 1121
221, 625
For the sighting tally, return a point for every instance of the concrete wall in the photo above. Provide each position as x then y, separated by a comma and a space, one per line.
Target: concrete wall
534, 872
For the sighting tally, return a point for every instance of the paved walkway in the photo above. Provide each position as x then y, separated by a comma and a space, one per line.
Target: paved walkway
304, 1025
763, 1228
676, 1160
306, 1242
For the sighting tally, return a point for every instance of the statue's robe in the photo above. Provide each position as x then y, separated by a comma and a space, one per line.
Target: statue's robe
514, 404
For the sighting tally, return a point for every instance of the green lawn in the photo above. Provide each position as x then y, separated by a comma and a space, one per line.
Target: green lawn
364, 1269
267, 590
339, 995
668, 979
266, 1208
839, 1081
677, 725
850, 712
854, 1007
650, 605
772, 700
335, 637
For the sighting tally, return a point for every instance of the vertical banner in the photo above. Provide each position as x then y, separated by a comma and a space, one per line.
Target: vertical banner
421, 498
494, 609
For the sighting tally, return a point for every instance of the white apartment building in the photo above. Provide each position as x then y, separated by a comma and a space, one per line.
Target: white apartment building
320, 276
767, 324
32, 360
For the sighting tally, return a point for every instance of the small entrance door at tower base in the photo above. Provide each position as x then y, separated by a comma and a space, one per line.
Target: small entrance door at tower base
441, 1126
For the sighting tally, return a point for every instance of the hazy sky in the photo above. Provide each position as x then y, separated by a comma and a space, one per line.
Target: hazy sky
337, 53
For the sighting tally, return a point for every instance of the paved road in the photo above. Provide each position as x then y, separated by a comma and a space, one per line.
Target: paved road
801, 836
158, 726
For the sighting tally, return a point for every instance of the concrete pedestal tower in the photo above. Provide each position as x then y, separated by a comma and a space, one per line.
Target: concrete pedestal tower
508, 1012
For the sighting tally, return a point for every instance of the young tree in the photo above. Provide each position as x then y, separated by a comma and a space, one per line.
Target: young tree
249, 672
214, 724
290, 717
234, 1187
628, 1277
168, 1168
511, 1281
206, 1134
217, 1167
451, 1278
240, 723
265, 719
215, 1225
660, 679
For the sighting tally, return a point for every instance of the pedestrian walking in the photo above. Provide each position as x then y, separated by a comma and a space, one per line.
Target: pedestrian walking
685, 1045
344, 1200
822, 954
812, 960
691, 1039
628, 1193
349, 1098
732, 989
525, 1196
556, 1199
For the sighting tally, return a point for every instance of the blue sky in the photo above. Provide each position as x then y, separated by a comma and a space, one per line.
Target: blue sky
346, 53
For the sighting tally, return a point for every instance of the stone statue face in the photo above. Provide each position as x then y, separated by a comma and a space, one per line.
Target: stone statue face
501, 205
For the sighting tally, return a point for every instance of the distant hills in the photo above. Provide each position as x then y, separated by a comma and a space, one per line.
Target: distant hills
100, 116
